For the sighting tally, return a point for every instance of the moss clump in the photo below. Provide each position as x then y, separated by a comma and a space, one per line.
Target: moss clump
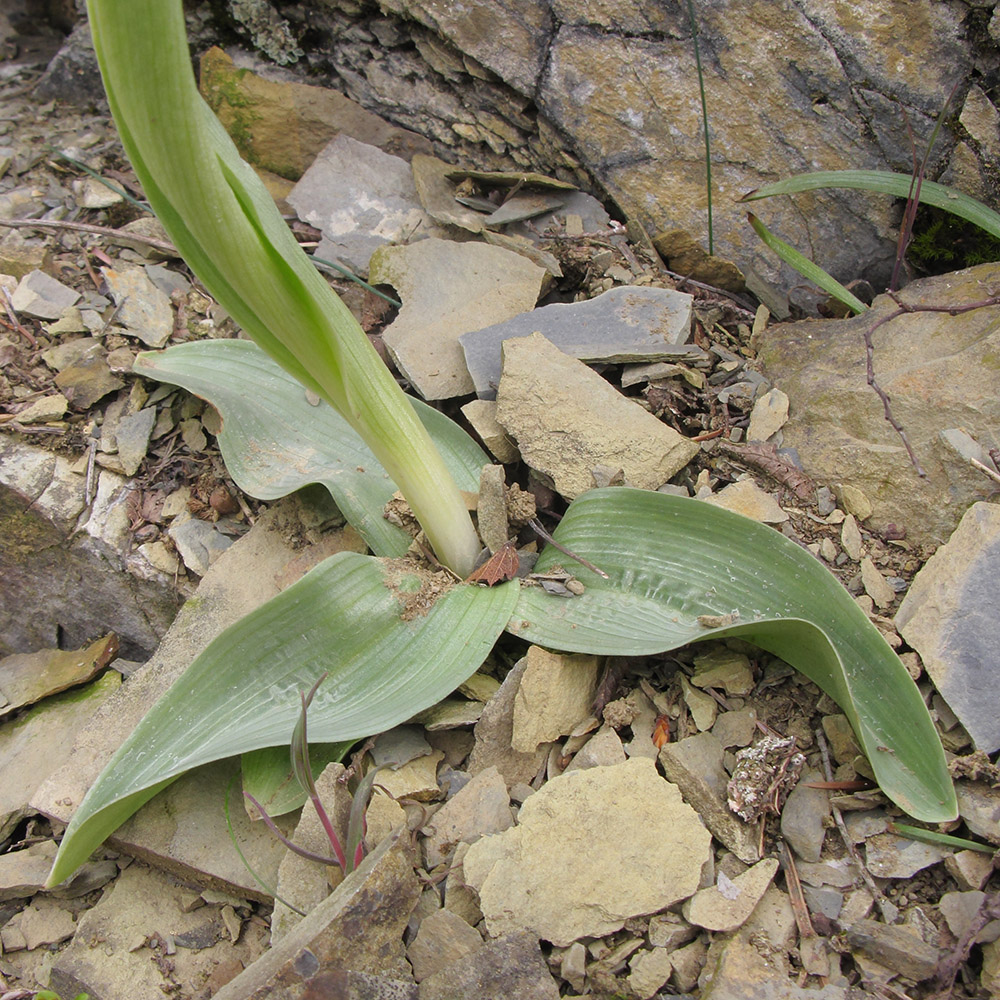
943, 242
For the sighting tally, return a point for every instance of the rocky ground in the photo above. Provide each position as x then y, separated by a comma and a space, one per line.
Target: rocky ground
524, 840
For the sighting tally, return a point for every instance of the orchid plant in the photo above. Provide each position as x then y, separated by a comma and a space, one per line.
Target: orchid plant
675, 570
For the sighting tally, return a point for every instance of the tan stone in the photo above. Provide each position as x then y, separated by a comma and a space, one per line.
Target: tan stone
555, 693
567, 421
591, 848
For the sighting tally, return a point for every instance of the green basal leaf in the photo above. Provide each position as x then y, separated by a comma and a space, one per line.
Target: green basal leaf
886, 182
672, 560
274, 442
390, 651
806, 267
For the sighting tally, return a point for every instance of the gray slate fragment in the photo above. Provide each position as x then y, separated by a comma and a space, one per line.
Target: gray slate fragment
803, 816
199, 543
40, 295
949, 617
625, 324
132, 436
896, 948
361, 199
144, 310
509, 966
694, 764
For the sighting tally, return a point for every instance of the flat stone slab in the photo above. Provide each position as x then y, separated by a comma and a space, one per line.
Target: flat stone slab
591, 849
39, 294
38, 743
948, 617
142, 909
144, 310
357, 929
448, 289
361, 199
628, 324
567, 421
940, 372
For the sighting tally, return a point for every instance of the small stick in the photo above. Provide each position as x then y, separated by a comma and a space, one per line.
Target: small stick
83, 227
883, 904
986, 469
536, 526
9, 305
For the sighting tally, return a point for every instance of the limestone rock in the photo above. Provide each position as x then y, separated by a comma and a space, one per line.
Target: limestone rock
510, 966
895, 947
416, 779
494, 731
144, 310
694, 764
361, 199
946, 617
437, 195
937, 370
482, 415
86, 381
567, 420
803, 817
378, 896
555, 694
648, 971
591, 849
737, 970
37, 744
443, 938
768, 416
448, 289
282, 126
728, 904
603, 749
889, 856
141, 904
38, 294
42, 410
747, 498
622, 325
26, 678
481, 808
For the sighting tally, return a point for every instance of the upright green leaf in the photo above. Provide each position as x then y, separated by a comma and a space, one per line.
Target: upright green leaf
679, 560
275, 442
226, 226
390, 648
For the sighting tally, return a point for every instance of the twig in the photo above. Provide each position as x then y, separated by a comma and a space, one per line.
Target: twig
536, 526
884, 905
989, 910
83, 227
902, 308
986, 469
766, 458
9, 305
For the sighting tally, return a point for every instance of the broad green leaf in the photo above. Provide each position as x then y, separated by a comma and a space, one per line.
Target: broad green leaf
372, 624
671, 560
886, 182
806, 267
274, 442
268, 776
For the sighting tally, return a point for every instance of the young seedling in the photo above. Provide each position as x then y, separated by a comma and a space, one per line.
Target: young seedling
347, 858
